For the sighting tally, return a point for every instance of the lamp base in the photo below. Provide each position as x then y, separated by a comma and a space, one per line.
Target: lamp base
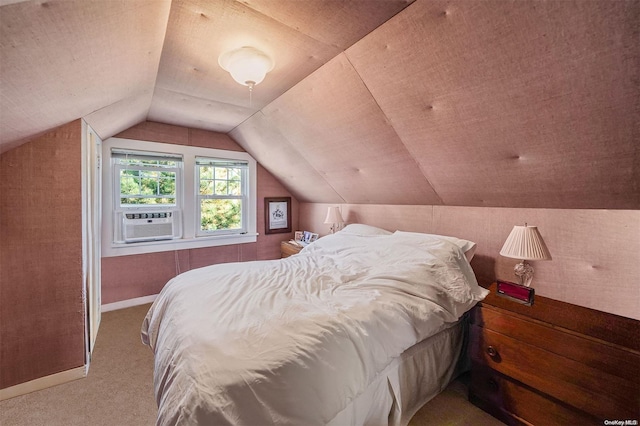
335, 227
524, 272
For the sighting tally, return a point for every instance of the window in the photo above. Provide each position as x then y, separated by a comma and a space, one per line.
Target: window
146, 179
147, 196
221, 197
161, 197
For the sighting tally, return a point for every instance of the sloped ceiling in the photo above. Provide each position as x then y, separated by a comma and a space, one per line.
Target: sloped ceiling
62, 60
477, 103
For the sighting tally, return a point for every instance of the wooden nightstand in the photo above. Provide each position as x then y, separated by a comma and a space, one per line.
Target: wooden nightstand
288, 249
553, 362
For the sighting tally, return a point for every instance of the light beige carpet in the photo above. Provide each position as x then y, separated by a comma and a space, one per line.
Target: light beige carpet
119, 388
451, 408
117, 391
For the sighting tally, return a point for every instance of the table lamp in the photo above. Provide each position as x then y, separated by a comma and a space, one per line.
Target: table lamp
334, 218
525, 243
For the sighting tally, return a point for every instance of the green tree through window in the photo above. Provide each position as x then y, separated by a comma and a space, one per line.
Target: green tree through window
221, 195
147, 181
174, 197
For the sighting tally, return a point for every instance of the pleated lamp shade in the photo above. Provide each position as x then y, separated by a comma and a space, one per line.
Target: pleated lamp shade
333, 216
525, 243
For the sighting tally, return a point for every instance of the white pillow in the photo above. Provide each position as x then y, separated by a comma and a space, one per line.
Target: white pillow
361, 229
467, 247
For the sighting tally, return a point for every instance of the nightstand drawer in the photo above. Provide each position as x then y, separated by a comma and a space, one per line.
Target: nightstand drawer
553, 362
596, 354
593, 391
505, 398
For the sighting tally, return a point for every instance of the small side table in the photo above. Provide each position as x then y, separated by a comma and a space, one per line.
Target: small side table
289, 249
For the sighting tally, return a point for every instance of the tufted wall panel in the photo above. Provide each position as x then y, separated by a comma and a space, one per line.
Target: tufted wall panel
595, 252
62, 60
341, 132
332, 22
503, 103
262, 140
513, 103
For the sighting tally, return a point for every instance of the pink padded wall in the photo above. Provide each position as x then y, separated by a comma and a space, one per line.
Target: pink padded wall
345, 139
491, 103
41, 289
330, 22
494, 103
128, 277
264, 141
595, 252
513, 103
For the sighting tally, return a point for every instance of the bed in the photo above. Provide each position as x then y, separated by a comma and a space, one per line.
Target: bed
361, 327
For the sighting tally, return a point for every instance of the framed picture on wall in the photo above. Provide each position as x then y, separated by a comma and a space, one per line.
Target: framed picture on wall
277, 213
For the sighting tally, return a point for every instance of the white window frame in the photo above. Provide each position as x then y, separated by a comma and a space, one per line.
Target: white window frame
119, 211
244, 197
186, 204
156, 155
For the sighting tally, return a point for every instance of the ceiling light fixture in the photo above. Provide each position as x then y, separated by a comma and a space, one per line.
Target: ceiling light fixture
247, 65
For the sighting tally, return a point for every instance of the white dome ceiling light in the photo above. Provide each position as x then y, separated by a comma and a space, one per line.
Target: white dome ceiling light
247, 65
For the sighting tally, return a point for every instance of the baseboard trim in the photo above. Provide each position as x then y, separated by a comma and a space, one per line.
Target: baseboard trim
43, 383
128, 303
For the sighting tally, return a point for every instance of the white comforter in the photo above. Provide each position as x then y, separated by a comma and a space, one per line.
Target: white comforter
293, 341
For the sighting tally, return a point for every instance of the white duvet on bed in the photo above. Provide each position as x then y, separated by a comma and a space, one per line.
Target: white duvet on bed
293, 341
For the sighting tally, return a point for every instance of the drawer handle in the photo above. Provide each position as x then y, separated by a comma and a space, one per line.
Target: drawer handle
492, 352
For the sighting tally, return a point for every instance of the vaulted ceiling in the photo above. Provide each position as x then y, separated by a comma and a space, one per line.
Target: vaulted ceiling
478, 103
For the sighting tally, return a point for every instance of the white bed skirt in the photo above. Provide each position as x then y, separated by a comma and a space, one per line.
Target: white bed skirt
417, 376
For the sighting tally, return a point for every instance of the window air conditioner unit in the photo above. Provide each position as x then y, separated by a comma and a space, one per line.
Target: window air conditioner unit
149, 226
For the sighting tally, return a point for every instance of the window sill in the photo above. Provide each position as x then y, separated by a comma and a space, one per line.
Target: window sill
115, 250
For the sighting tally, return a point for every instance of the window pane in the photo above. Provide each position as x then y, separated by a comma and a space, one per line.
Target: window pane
221, 187
206, 172
147, 187
124, 201
206, 187
220, 214
131, 200
235, 187
129, 185
167, 186
234, 174
221, 172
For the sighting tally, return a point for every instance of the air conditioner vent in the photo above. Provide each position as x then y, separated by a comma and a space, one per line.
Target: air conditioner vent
149, 226
148, 215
